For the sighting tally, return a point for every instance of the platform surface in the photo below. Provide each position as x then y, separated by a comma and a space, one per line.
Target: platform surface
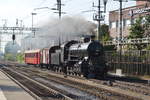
9, 90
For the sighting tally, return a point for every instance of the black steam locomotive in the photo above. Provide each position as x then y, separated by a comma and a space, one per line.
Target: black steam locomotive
74, 57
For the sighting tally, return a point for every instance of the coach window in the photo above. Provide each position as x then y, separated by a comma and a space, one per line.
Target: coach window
124, 23
110, 25
26, 55
113, 24
32, 55
36, 55
117, 25
29, 54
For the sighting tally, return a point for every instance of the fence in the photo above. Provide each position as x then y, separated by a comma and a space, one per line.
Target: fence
131, 62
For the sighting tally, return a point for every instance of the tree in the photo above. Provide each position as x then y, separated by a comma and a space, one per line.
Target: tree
20, 57
10, 57
147, 26
106, 36
140, 29
136, 30
105, 32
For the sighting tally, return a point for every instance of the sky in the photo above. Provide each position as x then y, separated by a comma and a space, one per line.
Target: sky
22, 9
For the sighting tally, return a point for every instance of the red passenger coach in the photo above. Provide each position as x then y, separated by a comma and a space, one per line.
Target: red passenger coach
32, 57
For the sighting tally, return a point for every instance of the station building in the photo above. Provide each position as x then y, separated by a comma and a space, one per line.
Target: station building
129, 16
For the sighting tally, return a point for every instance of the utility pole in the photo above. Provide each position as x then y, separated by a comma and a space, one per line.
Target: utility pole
99, 17
120, 26
120, 31
99, 21
59, 8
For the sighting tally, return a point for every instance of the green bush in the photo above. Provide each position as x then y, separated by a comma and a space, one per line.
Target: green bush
14, 57
10, 57
20, 58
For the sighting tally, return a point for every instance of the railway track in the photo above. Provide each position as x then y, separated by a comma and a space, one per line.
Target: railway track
96, 91
140, 88
143, 89
36, 89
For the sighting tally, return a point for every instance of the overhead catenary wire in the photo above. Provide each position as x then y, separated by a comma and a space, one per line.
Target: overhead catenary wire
78, 10
39, 5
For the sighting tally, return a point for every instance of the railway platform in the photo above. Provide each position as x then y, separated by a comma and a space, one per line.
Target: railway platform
9, 90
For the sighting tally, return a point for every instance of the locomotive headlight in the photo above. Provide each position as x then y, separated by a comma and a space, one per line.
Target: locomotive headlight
85, 58
80, 62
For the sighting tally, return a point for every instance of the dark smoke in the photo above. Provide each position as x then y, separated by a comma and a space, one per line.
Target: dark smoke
55, 31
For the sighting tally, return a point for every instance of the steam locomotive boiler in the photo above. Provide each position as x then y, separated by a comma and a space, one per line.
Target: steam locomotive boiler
87, 59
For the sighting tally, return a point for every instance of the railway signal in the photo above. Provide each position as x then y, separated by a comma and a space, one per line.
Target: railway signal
13, 38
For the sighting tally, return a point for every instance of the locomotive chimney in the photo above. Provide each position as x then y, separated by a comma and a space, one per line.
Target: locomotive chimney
87, 39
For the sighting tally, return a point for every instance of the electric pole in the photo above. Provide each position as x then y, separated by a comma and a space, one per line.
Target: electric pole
99, 21
99, 17
120, 31
59, 8
120, 26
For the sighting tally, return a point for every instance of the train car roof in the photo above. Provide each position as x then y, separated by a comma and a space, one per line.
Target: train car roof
45, 49
32, 51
